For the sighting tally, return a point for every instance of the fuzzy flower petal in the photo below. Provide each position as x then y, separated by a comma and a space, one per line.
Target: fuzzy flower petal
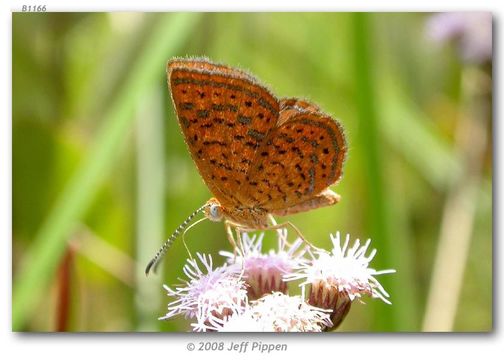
208, 294
244, 322
276, 312
282, 313
345, 269
264, 272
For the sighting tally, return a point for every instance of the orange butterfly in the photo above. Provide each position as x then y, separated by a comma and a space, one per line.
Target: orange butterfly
258, 155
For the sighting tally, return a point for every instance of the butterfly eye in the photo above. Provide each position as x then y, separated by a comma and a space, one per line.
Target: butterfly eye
215, 213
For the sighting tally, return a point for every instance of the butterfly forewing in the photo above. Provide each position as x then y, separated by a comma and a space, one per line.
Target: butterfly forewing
225, 116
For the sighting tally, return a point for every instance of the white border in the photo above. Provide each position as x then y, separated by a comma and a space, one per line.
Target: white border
161, 346
259, 5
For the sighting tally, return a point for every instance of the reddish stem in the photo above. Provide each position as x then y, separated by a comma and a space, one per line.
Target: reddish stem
64, 289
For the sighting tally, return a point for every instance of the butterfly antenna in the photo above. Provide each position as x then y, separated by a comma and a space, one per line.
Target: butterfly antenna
164, 248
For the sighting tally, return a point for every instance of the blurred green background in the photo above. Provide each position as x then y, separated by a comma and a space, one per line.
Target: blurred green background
101, 174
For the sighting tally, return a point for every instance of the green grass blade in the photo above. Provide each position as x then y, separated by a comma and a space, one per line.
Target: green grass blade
150, 182
372, 157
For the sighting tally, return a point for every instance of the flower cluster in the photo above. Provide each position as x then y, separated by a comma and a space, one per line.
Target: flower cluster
470, 31
249, 293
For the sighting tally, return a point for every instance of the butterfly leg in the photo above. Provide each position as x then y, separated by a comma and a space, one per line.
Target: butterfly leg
229, 231
298, 232
239, 242
229, 225
280, 231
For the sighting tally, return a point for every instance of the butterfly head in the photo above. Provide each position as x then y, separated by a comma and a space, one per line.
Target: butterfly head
213, 210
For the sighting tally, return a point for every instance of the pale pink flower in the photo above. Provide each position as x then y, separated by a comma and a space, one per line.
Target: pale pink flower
471, 31
338, 277
263, 272
277, 312
208, 294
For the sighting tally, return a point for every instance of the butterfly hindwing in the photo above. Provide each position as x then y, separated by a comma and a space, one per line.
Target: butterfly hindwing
298, 160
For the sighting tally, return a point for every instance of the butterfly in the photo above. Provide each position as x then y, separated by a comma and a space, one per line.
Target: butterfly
260, 156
